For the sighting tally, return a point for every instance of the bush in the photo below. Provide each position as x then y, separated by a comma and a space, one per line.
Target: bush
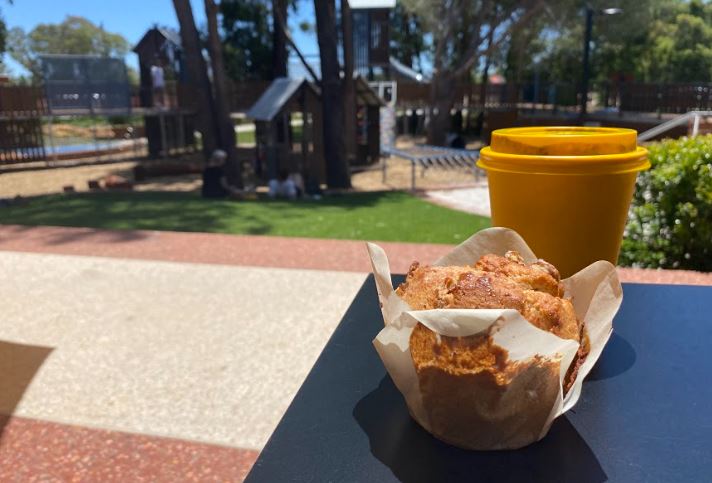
670, 222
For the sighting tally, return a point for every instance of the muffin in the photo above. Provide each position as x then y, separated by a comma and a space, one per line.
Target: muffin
473, 393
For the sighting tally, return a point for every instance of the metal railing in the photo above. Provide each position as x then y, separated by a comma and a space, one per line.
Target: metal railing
693, 116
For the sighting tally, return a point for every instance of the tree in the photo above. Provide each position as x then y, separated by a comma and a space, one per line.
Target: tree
337, 168
650, 41
671, 43
75, 35
407, 37
198, 76
225, 126
459, 31
691, 56
247, 40
3, 36
281, 23
279, 39
349, 86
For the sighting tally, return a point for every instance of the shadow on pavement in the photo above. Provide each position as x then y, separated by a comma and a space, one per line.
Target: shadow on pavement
18, 365
176, 211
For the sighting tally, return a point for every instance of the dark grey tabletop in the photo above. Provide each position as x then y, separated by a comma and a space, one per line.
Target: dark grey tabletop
645, 413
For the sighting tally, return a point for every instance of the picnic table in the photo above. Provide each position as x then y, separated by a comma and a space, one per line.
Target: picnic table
644, 413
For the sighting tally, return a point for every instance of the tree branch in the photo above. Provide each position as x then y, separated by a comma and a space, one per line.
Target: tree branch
472, 58
290, 41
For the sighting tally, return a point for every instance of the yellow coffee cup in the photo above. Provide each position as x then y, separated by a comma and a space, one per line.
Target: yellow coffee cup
566, 190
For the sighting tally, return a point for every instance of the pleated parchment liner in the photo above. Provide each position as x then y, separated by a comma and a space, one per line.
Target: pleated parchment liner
473, 412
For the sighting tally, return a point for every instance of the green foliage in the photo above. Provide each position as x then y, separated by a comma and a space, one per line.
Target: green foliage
75, 35
387, 216
650, 41
407, 37
247, 39
670, 223
691, 57
134, 78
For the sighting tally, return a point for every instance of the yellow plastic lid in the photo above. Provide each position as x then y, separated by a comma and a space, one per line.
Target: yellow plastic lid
564, 150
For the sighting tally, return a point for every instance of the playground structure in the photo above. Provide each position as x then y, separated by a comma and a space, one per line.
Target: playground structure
166, 100
77, 88
73, 87
290, 103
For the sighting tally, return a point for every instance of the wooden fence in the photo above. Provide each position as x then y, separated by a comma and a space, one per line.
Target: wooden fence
240, 95
22, 107
627, 97
21, 110
674, 98
508, 95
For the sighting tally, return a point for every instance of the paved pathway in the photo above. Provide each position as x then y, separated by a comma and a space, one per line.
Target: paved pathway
474, 199
163, 356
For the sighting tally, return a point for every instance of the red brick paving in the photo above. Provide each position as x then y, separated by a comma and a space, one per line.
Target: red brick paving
32, 450
671, 277
262, 251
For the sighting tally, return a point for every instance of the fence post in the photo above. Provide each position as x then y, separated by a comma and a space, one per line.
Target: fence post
51, 139
164, 140
412, 175
621, 93
181, 131
556, 99
696, 125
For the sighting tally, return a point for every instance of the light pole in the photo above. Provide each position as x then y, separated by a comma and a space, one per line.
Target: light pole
590, 12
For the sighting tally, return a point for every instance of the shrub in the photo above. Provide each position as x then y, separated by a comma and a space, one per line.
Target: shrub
670, 222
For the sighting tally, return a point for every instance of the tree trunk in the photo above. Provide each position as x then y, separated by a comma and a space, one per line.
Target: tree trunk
349, 85
279, 39
337, 168
442, 97
409, 50
485, 70
222, 111
197, 76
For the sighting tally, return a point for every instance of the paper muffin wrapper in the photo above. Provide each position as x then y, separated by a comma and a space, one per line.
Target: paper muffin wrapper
521, 412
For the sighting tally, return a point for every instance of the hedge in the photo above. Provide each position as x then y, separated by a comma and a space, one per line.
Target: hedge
670, 222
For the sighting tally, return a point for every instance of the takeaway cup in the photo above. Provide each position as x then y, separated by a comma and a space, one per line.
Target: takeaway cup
566, 190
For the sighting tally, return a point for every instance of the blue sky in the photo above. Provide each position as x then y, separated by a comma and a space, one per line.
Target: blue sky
130, 18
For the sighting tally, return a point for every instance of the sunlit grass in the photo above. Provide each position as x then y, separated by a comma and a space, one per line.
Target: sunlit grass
388, 216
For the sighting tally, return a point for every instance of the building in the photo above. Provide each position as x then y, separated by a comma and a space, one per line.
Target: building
288, 122
371, 31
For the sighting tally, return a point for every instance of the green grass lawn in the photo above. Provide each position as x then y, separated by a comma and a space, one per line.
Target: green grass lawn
245, 137
248, 137
388, 216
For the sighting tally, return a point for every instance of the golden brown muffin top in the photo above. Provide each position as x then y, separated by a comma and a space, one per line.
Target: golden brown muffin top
496, 282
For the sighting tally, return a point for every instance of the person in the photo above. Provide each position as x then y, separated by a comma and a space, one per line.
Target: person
215, 183
286, 185
456, 141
